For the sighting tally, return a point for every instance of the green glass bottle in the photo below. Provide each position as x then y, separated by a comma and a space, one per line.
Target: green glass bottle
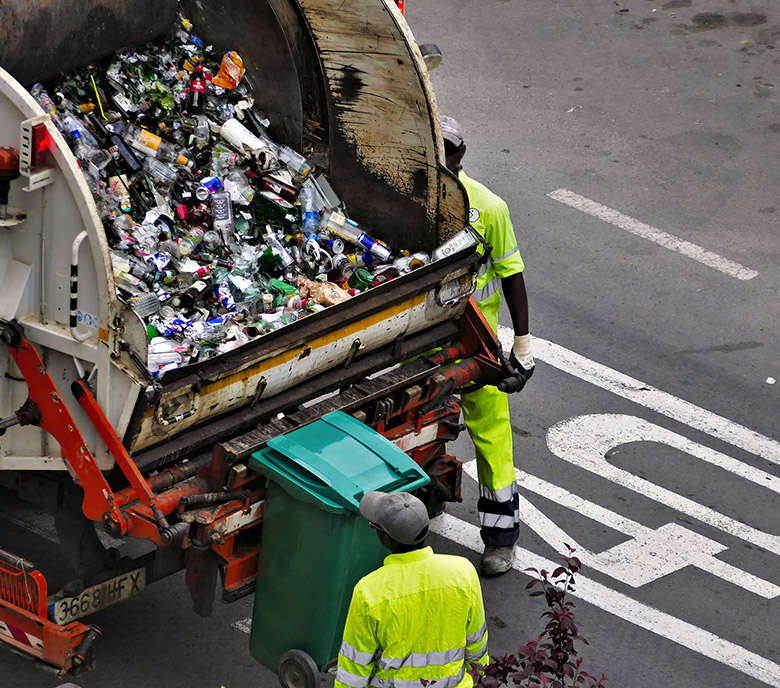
360, 279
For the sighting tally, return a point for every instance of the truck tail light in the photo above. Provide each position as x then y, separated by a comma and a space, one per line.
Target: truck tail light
35, 143
39, 145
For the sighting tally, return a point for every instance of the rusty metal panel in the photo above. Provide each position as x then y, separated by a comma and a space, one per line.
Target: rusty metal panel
40, 39
382, 126
345, 83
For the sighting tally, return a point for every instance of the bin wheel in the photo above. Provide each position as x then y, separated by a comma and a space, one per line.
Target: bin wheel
297, 670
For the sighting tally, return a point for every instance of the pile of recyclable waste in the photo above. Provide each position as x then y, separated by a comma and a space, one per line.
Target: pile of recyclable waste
218, 234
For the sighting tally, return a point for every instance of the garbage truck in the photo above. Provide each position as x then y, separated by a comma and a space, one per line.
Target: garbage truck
88, 433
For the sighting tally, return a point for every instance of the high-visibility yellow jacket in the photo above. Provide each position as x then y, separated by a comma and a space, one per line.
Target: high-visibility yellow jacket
420, 616
489, 215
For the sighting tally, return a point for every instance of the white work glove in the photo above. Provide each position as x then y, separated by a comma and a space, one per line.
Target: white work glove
522, 358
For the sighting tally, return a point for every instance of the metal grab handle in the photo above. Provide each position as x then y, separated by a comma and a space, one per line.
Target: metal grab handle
74, 289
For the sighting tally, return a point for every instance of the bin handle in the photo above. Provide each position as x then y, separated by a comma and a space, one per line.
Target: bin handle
312, 464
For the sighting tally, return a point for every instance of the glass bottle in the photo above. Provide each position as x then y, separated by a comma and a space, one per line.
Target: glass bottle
153, 146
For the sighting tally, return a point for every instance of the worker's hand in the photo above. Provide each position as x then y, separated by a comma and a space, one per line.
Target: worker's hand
522, 358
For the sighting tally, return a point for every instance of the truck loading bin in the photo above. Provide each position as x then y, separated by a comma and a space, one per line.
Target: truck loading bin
86, 431
358, 102
315, 545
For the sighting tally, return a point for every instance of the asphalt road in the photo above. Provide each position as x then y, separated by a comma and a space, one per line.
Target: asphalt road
660, 123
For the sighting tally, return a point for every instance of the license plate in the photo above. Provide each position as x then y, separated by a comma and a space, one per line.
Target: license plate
98, 597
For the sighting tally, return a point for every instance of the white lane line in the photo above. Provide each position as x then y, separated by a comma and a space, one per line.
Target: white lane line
620, 605
673, 547
585, 441
635, 530
629, 224
649, 397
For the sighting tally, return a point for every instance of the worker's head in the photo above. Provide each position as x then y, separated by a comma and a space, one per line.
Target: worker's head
454, 146
400, 519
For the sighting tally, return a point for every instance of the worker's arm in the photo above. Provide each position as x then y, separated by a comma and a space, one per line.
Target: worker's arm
359, 648
476, 630
517, 302
509, 266
522, 357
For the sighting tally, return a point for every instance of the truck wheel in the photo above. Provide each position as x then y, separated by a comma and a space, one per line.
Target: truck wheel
297, 670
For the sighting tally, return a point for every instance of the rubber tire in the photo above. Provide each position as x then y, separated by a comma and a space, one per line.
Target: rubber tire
296, 669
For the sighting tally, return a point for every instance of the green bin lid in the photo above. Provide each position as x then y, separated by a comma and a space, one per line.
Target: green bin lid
334, 461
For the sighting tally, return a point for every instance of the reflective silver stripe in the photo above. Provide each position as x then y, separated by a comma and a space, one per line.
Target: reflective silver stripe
476, 656
505, 494
506, 255
354, 655
477, 636
352, 680
445, 682
422, 659
496, 521
487, 291
483, 268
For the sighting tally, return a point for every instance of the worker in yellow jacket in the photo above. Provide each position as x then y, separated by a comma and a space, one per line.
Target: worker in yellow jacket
417, 619
486, 411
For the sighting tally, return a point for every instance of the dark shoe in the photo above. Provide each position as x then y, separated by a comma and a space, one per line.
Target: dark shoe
497, 560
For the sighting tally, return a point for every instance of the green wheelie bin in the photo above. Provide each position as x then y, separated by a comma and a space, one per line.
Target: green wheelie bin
315, 545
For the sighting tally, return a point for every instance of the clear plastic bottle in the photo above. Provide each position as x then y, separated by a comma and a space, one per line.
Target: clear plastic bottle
238, 186
297, 165
211, 241
71, 123
190, 242
118, 188
131, 266
162, 352
95, 159
310, 219
201, 131
153, 146
163, 173
45, 101
145, 237
337, 223
275, 243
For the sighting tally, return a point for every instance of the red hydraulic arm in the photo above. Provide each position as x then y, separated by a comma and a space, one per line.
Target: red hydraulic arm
46, 408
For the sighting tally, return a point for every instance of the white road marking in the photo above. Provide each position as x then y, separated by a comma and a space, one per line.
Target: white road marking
585, 440
649, 397
622, 606
648, 556
669, 241
632, 564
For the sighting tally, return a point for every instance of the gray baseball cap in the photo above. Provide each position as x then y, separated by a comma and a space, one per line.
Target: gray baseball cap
451, 131
401, 515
